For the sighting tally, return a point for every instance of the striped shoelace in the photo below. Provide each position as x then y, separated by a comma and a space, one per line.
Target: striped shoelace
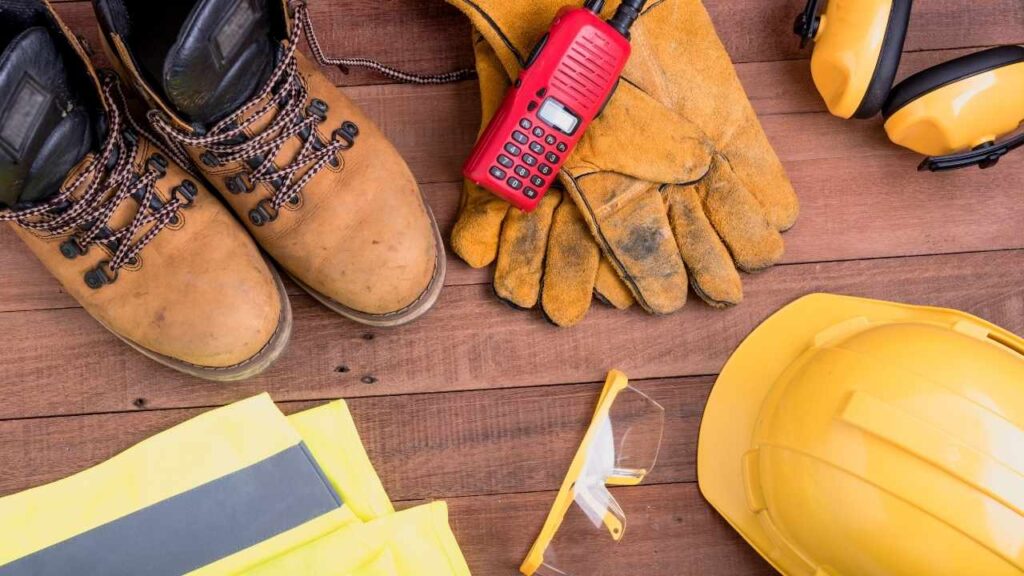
84, 205
283, 99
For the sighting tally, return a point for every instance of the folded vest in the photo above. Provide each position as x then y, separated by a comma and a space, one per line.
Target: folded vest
241, 489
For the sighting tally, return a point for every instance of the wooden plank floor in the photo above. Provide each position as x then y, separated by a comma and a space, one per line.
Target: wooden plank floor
456, 406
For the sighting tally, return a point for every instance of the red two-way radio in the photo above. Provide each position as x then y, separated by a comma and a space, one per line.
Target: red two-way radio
564, 85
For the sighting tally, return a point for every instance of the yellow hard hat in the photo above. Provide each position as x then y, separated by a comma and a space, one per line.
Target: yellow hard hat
850, 437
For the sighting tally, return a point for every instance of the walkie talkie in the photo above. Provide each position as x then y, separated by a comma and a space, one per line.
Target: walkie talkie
566, 82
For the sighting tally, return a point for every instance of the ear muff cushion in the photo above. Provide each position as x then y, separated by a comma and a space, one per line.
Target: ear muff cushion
931, 79
888, 60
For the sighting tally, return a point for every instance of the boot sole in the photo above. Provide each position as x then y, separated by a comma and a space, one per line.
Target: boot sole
421, 306
248, 369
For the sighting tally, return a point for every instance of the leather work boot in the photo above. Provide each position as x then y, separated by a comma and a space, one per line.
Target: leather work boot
316, 182
131, 235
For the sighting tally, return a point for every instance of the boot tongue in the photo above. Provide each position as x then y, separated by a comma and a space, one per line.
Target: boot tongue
44, 131
223, 55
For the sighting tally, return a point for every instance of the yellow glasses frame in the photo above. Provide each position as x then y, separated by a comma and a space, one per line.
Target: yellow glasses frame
613, 386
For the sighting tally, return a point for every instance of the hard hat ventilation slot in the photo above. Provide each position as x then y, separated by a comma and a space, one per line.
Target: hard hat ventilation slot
1014, 347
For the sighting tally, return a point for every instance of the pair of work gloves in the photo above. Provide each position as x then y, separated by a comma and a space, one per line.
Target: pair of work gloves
675, 184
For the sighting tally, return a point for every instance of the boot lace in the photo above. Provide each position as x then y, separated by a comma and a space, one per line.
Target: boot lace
109, 179
283, 97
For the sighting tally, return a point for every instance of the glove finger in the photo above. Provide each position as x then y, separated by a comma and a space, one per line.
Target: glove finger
521, 252
570, 271
712, 272
629, 220
738, 218
478, 227
610, 289
762, 174
481, 214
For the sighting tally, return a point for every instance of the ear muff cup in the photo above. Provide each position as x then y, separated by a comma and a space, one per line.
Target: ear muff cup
936, 77
888, 61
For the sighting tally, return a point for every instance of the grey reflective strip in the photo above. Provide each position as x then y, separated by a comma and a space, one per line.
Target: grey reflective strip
195, 528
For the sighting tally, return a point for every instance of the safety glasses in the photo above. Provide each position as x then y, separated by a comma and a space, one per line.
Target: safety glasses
619, 449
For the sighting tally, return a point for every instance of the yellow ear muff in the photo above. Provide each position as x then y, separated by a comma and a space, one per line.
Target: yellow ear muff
959, 105
857, 51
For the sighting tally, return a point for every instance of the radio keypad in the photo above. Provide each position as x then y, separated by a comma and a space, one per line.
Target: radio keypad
529, 169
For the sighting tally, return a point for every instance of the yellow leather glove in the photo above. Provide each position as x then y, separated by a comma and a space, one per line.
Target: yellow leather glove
677, 173
545, 257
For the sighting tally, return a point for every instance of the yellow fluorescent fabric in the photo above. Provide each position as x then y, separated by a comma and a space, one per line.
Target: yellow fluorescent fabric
415, 542
40, 526
199, 451
331, 436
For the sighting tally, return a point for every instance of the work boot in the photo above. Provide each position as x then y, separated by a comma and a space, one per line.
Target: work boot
131, 235
316, 182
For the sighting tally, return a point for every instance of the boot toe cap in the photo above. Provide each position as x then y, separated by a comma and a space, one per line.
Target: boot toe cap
229, 324
381, 273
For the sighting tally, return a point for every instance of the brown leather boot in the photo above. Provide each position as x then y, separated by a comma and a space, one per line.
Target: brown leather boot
131, 235
316, 182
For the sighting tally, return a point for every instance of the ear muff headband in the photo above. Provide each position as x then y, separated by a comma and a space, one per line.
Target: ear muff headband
858, 45
939, 76
888, 61
964, 104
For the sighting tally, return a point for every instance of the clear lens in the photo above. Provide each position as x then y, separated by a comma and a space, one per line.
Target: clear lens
623, 450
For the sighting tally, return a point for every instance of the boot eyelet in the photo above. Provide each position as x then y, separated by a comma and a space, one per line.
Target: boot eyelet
185, 193
133, 261
210, 159
264, 213
100, 276
295, 199
350, 127
318, 108
158, 164
72, 249
255, 162
347, 135
239, 183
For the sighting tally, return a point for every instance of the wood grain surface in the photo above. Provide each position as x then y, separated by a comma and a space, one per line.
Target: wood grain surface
484, 406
